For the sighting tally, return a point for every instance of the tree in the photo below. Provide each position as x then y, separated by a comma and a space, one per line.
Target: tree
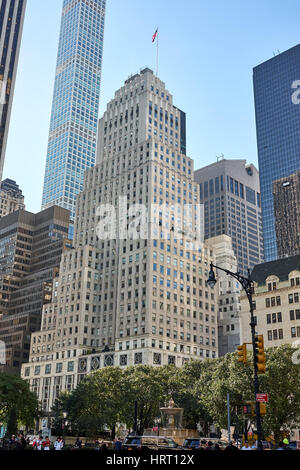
282, 383
95, 404
17, 403
142, 384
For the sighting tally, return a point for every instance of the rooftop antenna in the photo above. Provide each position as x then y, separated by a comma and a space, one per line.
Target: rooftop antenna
220, 157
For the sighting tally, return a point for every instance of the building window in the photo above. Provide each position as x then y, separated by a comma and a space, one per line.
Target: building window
171, 360
37, 370
157, 359
293, 332
138, 358
71, 366
59, 367
48, 369
269, 335
27, 371
123, 360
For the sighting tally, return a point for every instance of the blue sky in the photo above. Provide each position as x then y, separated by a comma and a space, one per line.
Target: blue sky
207, 51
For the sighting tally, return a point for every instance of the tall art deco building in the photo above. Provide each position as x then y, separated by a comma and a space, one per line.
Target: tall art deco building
12, 14
75, 107
126, 301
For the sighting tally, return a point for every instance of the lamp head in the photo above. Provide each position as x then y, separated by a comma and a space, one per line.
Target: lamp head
211, 281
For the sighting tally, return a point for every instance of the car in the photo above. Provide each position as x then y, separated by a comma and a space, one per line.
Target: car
191, 443
200, 443
149, 442
293, 445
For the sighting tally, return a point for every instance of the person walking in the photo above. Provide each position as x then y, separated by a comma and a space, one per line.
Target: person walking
46, 443
58, 444
37, 444
78, 443
118, 444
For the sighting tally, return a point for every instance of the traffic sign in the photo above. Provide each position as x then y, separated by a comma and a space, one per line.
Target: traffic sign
262, 397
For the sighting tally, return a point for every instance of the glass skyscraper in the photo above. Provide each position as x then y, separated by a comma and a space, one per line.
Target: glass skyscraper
74, 116
278, 131
11, 24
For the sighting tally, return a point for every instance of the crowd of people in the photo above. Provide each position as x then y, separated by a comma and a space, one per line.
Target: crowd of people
19, 442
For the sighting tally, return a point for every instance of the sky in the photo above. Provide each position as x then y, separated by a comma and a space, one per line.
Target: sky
207, 49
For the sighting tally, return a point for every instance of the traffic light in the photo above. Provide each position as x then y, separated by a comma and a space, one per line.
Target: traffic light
260, 354
242, 353
249, 408
262, 409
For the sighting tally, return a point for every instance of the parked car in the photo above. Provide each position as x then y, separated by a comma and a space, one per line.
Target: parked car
293, 445
149, 442
200, 443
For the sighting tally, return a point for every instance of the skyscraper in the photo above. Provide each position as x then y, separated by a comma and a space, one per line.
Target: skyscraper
121, 300
230, 192
74, 116
277, 111
11, 24
286, 195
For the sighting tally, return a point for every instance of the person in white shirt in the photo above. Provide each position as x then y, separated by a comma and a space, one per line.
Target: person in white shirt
38, 443
58, 444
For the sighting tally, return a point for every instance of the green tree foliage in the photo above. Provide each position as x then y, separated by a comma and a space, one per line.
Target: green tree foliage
17, 403
107, 397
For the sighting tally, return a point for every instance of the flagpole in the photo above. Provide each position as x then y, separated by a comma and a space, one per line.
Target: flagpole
157, 53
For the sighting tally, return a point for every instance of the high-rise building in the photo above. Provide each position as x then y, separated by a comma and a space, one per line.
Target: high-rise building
11, 197
230, 192
74, 116
31, 246
286, 196
12, 14
277, 112
121, 300
229, 295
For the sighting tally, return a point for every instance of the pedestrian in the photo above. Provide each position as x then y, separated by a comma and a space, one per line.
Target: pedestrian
58, 444
118, 444
208, 446
280, 446
46, 443
217, 447
97, 444
231, 447
103, 446
246, 446
37, 444
78, 443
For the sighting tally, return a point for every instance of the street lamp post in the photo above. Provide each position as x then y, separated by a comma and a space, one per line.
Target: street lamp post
247, 284
64, 424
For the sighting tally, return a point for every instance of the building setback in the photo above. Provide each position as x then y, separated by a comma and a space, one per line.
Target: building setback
229, 295
118, 300
277, 111
31, 246
286, 196
276, 302
230, 193
12, 14
11, 197
75, 107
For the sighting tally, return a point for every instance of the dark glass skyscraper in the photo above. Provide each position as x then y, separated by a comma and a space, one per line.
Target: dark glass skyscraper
278, 130
11, 24
75, 107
